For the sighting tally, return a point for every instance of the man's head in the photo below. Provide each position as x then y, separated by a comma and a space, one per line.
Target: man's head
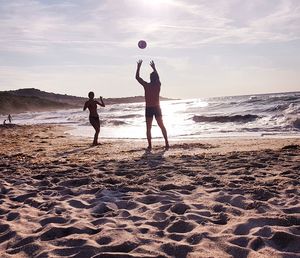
154, 78
91, 95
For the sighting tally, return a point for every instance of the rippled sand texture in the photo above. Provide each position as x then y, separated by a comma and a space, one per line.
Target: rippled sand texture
214, 198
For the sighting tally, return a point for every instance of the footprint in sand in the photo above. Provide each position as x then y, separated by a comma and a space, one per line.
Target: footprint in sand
196, 238
59, 232
181, 226
102, 208
125, 247
149, 199
244, 228
262, 194
76, 182
69, 242
23, 242
104, 240
128, 205
3, 228
22, 198
285, 241
12, 216
30, 250
7, 235
256, 243
240, 241
222, 219
180, 208
176, 250
54, 220
78, 204
237, 251
160, 216
265, 231
2, 212
176, 237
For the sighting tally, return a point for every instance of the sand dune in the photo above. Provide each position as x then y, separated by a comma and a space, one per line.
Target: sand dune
60, 197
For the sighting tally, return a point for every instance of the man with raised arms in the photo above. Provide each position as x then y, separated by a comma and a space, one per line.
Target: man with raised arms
152, 90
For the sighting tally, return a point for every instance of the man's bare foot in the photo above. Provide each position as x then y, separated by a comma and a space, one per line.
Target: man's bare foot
149, 148
167, 146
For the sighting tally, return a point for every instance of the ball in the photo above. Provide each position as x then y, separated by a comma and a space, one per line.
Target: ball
142, 44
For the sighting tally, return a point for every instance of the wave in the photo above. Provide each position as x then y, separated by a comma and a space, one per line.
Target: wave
292, 109
284, 98
106, 123
113, 122
291, 122
276, 108
269, 99
253, 99
291, 115
226, 119
129, 116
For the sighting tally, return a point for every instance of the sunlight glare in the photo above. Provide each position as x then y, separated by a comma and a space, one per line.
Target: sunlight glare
157, 3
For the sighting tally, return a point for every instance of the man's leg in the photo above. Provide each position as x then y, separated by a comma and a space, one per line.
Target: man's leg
163, 129
96, 125
96, 135
149, 125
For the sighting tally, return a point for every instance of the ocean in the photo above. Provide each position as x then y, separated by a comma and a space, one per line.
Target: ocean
264, 115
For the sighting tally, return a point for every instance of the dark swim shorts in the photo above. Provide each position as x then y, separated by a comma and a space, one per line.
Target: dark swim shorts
153, 111
94, 119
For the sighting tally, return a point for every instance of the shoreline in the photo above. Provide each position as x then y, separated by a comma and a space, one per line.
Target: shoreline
245, 142
201, 198
192, 137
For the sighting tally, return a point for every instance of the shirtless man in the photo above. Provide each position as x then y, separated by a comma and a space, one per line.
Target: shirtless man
91, 104
152, 90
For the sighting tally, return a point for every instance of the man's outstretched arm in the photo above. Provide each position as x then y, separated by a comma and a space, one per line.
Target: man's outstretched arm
137, 74
101, 103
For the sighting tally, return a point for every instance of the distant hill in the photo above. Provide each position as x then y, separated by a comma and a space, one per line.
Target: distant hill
31, 99
66, 100
10, 103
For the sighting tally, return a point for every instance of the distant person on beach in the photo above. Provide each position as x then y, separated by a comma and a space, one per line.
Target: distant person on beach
91, 104
152, 90
9, 118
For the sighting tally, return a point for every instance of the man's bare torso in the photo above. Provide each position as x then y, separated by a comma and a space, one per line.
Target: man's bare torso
92, 106
152, 95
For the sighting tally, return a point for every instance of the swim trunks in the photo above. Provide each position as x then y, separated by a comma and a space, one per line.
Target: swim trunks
153, 111
94, 119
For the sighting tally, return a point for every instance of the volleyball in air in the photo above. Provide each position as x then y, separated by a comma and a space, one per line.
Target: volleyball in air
142, 44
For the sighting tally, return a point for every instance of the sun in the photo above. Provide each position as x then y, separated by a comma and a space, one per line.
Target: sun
157, 2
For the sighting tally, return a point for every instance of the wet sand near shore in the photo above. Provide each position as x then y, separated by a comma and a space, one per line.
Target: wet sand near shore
62, 197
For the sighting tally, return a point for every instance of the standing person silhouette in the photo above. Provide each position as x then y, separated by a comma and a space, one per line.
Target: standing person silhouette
152, 90
91, 104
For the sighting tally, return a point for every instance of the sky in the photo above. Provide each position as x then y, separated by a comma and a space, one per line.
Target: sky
201, 48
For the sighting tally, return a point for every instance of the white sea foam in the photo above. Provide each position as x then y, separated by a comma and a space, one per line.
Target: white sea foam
269, 114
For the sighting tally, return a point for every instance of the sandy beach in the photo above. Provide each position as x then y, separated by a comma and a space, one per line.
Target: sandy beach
61, 197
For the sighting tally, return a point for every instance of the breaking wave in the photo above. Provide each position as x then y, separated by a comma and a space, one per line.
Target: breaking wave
226, 119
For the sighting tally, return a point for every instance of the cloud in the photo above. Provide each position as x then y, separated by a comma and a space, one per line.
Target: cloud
278, 23
36, 26
40, 39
